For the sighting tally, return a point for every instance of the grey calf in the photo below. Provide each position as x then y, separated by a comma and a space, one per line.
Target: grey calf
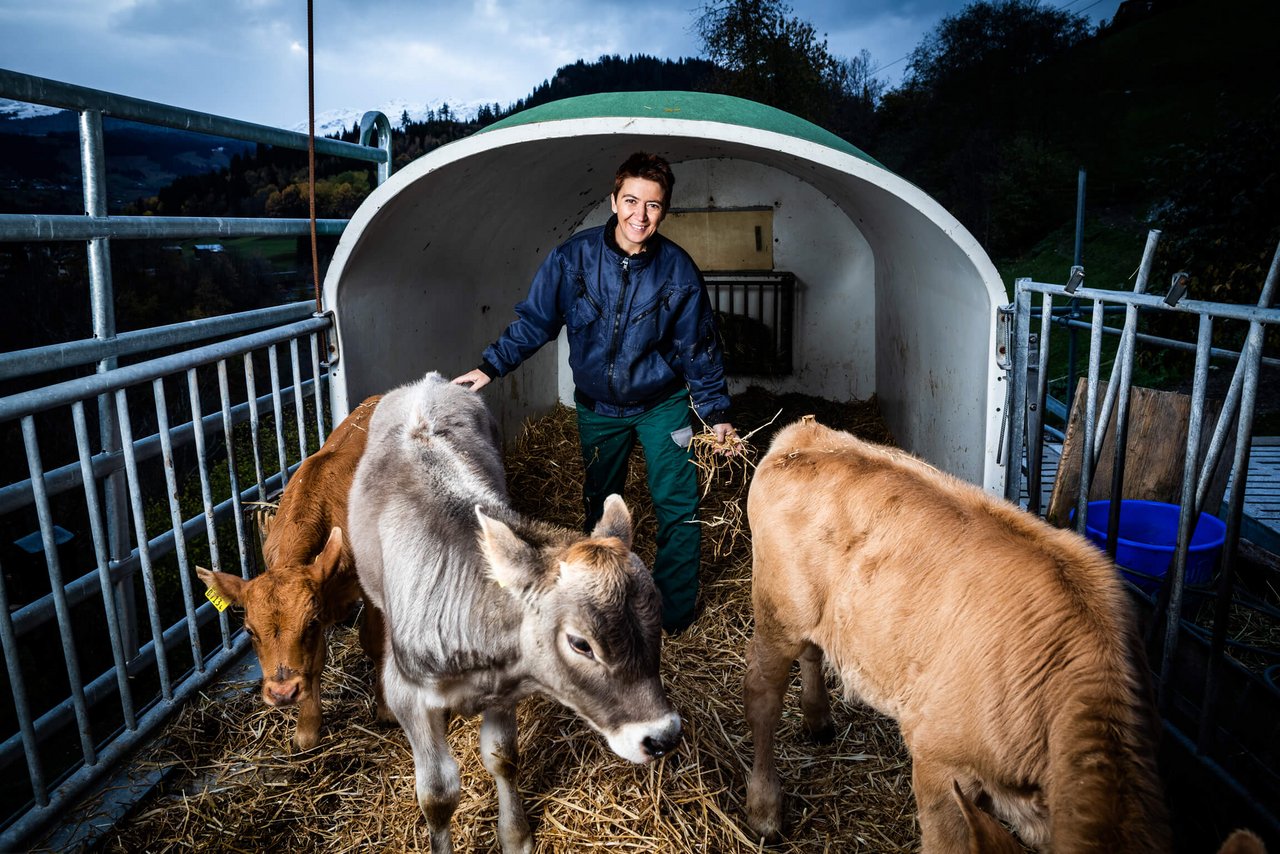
484, 607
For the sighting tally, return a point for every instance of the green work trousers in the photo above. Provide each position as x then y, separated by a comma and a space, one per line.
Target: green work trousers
664, 433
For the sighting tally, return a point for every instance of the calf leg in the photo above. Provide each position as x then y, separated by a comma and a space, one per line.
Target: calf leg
943, 829
814, 701
768, 669
500, 755
437, 784
373, 640
307, 734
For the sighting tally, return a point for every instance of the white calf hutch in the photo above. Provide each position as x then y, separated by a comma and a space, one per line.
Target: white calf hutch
892, 296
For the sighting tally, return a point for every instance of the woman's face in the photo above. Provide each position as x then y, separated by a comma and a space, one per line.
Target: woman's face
640, 206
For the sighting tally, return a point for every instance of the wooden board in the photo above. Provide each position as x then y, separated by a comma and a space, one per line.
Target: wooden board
724, 239
1154, 452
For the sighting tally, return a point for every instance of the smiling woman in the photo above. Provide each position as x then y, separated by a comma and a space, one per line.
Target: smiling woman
645, 359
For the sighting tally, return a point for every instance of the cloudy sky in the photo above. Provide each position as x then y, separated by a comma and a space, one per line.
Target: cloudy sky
247, 59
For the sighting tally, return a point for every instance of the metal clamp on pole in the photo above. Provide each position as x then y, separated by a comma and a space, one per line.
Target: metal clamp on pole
1177, 289
1076, 280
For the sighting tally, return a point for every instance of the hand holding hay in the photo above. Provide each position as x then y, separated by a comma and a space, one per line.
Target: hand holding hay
719, 452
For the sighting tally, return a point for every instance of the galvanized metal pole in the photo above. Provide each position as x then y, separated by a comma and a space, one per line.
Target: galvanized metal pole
102, 302
1248, 370
1077, 255
1118, 396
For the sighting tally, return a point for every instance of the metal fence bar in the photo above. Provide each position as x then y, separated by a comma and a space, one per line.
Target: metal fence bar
1222, 310
1172, 344
21, 701
52, 93
100, 551
72, 354
1090, 418
1248, 370
297, 400
64, 393
1124, 354
144, 553
315, 387
1035, 410
233, 475
375, 130
1187, 517
65, 630
202, 455
1016, 399
45, 228
175, 512
252, 393
68, 477
273, 361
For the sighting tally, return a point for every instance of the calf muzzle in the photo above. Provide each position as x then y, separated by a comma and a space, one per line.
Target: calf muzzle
661, 746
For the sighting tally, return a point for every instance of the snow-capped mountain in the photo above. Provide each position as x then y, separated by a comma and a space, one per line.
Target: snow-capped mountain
19, 110
335, 121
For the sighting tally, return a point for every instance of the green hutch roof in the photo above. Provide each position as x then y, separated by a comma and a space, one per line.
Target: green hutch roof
687, 106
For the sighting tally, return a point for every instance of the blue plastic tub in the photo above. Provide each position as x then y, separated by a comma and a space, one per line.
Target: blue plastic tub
1148, 537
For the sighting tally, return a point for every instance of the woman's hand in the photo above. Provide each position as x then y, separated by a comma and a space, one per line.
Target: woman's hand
726, 438
477, 379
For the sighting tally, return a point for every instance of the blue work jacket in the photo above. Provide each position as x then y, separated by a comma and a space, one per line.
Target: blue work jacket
640, 327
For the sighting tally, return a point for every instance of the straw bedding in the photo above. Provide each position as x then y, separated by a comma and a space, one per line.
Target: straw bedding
237, 785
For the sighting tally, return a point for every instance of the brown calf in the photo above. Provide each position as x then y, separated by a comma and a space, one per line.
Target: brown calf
1002, 646
310, 582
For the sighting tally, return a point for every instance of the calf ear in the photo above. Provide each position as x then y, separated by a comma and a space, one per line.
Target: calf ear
986, 835
228, 586
616, 521
512, 561
329, 560
339, 590
1243, 842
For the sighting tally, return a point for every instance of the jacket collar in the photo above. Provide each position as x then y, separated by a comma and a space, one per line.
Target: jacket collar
639, 259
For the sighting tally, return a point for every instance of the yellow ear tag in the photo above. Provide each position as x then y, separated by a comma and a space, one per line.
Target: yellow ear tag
218, 602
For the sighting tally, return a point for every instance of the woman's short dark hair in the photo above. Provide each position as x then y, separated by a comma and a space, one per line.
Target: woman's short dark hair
650, 167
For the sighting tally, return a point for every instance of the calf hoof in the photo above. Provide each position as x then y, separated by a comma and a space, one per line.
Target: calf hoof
383, 715
305, 739
765, 820
517, 843
767, 835
822, 733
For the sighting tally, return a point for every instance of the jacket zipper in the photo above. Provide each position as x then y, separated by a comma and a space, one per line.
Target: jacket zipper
617, 325
585, 294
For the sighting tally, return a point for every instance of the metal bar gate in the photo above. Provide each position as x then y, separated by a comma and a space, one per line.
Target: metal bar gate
1223, 713
135, 472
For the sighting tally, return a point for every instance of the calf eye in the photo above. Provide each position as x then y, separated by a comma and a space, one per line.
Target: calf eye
581, 646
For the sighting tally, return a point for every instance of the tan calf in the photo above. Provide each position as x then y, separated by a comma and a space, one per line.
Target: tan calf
1002, 646
310, 582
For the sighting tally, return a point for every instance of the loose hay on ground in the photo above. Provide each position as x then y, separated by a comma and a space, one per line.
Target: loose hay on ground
238, 787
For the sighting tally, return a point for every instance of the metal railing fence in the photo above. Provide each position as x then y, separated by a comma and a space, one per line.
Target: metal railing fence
138, 681
1221, 711
132, 474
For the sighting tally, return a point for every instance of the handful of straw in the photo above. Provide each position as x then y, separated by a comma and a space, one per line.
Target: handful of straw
725, 465
721, 460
